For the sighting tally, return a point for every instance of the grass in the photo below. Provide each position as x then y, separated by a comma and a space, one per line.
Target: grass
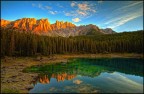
10, 91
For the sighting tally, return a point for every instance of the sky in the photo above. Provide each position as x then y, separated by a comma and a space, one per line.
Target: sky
118, 15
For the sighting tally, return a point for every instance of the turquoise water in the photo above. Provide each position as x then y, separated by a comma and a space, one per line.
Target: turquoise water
103, 75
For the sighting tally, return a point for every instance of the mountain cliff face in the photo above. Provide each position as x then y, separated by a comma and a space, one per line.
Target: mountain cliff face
31, 24
4, 23
60, 28
108, 30
61, 25
42, 25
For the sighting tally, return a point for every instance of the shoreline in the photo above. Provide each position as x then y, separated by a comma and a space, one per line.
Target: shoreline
13, 77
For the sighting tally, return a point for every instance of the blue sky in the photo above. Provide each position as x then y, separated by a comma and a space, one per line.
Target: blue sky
118, 15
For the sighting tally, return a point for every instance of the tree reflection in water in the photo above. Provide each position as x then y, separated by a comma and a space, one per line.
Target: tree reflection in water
86, 67
90, 75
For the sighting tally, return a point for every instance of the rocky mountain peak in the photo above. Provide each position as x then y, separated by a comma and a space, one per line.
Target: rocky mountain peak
108, 31
59, 28
4, 23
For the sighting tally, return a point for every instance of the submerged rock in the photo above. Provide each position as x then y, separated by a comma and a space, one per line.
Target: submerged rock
77, 81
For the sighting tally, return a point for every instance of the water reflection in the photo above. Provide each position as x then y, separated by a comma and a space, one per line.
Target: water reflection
90, 75
45, 79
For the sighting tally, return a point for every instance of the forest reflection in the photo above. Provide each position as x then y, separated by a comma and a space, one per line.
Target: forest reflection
86, 67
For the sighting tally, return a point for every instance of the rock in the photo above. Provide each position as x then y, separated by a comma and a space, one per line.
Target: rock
19, 74
14, 80
14, 76
22, 79
3, 67
61, 25
21, 65
4, 22
37, 26
8, 81
11, 67
4, 81
29, 87
22, 88
59, 28
108, 31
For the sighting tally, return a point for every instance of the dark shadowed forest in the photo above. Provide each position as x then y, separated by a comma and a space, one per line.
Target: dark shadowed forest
14, 43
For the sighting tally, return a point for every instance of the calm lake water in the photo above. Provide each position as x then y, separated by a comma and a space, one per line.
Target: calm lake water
103, 75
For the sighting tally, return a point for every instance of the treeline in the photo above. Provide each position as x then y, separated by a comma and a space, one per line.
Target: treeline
15, 43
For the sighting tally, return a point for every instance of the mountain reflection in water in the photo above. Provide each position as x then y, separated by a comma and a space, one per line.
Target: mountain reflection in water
105, 75
44, 79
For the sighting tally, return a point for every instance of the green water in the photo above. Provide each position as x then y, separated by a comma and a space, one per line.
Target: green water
103, 75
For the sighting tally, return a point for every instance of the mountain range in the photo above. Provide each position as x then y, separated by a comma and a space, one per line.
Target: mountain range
59, 28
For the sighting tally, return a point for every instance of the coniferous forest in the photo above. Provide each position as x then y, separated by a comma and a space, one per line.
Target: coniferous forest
15, 43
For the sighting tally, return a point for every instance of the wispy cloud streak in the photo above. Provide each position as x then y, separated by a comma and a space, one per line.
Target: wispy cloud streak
130, 5
123, 15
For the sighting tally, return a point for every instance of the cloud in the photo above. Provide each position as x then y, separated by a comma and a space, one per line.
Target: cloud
33, 5
73, 4
72, 13
53, 12
40, 6
101, 1
81, 10
83, 13
124, 14
118, 78
124, 20
87, 7
132, 4
60, 5
48, 7
83, 7
76, 20
129, 6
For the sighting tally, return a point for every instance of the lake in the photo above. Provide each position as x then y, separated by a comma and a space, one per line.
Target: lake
81, 75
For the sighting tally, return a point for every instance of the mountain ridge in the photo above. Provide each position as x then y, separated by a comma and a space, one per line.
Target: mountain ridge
59, 28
